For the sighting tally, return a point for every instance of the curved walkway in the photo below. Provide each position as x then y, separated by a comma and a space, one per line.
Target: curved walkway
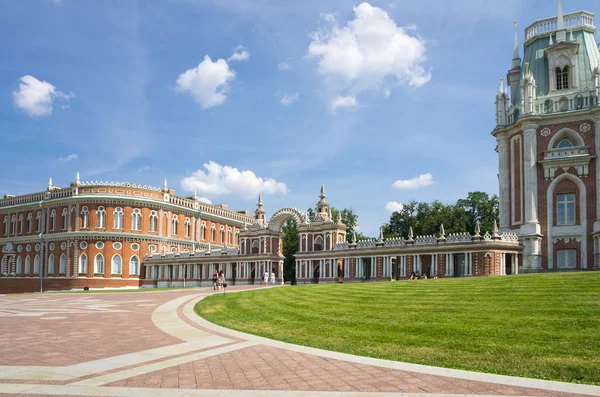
170, 351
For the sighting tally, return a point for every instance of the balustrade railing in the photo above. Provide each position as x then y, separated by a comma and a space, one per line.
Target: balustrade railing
572, 20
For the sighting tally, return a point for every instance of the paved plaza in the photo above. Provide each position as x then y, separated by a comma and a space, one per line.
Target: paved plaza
153, 344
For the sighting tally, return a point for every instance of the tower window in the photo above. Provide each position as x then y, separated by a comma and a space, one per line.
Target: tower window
562, 78
565, 209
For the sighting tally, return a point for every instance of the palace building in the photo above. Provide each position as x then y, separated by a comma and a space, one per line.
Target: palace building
547, 130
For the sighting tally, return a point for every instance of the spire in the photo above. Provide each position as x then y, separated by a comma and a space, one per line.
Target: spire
49, 183
410, 233
500, 88
322, 195
329, 217
354, 236
442, 231
322, 205
477, 228
516, 43
77, 177
259, 198
561, 34
259, 213
380, 234
165, 185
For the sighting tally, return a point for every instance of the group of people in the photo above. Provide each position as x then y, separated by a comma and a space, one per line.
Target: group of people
218, 279
417, 276
268, 278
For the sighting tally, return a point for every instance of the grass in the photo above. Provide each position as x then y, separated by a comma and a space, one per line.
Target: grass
543, 326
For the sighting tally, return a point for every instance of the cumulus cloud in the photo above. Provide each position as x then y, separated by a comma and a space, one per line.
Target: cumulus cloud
36, 97
288, 99
414, 183
207, 83
393, 206
70, 157
239, 54
368, 53
218, 180
343, 102
204, 200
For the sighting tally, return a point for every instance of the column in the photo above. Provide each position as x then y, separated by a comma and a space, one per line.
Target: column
530, 231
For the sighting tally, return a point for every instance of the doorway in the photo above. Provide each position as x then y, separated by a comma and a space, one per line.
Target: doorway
459, 265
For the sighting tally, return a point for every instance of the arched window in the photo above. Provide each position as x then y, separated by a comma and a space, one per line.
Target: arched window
27, 265
117, 264
203, 231
186, 227
153, 221
19, 265
134, 266
53, 220
101, 213
62, 265
83, 262
65, 219
38, 218
36, 265
118, 218
51, 265
255, 247
6, 226
14, 224
99, 264
222, 234
29, 222
21, 223
565, 143
85, 218
213, 232
174, 225
562, 78
136, 220
237, 238
319, 243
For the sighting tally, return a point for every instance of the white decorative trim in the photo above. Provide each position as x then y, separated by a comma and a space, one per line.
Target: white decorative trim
585, 127
545, 132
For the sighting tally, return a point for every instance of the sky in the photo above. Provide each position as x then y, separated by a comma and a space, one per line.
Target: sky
383, 102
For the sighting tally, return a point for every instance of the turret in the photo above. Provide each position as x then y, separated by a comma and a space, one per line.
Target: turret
323, 205
561, 33
528, 95
259, 213
514, 74
501, 105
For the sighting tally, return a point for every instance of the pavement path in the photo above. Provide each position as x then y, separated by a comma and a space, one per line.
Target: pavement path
153, 344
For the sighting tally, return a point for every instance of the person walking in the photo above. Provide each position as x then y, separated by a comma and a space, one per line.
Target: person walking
221, 280
272, 278
215, 279
266, 278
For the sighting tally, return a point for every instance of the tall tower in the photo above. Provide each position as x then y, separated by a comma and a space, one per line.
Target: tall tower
548, 139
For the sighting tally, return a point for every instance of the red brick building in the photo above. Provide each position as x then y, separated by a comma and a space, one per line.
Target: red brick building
548, 127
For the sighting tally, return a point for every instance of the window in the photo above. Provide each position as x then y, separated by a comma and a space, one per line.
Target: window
29, 222
213, 233
65, 219
186, 227
135, 246
51, 265
118, 218
53, 220
14, 224
222, 234
85, 218
203, 231
117, 246
83, 245
565, 143
99, 264
153, 221
38, 217
101, 213
565, 209
6, 226
136, 220
134, 266
237, 238
21, 223
117, 264
567, 258
174, 225
27, 265
83, 264
562, 78
36, 265
19, 265
62, 265
99, 245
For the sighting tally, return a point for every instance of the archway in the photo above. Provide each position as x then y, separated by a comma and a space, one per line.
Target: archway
283, 214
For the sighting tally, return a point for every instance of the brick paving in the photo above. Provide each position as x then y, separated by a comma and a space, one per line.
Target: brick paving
66, 333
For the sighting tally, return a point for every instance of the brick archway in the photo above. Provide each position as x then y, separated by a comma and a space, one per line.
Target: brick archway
283, 214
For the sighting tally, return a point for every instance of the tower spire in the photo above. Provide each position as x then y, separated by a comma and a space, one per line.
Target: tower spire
561, 33
516, 43
50, 183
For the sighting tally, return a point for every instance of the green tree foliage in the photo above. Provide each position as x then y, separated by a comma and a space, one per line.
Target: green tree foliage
291, 245
426, 218
349, 218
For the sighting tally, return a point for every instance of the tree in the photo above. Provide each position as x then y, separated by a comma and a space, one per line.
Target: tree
348, 216
291, 245
480, 207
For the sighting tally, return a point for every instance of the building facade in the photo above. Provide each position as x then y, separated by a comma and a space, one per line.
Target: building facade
548, 136
98, 234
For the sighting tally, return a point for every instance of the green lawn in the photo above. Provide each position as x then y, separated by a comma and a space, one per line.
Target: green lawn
542, 326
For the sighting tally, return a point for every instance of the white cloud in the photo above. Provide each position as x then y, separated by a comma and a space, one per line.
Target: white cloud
69, 157
207, 83
343, 102
220, 180
281, 66
392, 206
368, 53
239, 54
204, 200
288, 99
414, 183
36, 97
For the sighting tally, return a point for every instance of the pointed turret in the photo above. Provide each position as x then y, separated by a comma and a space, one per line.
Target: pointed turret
165, 188
329, 216
495, 235
516, 61
380, 234
259, 213
410, 233
353, 236
77, 177
322, 205
477, 228
529, 91
50, 186
442, 232
561, 34
502, 105
514, 74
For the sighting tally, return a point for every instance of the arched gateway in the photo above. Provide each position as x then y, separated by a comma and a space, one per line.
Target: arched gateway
283, 214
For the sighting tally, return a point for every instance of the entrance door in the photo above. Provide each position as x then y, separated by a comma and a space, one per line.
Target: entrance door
367, 268
508, 258
316, 272
425, 265
459, 265
340, 269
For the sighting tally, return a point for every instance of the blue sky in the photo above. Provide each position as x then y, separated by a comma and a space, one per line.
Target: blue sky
384, 101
